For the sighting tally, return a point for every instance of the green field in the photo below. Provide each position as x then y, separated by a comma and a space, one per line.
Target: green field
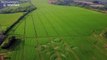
11, 18
54, 32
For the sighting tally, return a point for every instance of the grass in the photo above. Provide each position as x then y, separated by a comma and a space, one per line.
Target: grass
60, 32
11, 18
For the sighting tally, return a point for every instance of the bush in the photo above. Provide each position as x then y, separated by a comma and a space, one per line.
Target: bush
8, 42
105, 34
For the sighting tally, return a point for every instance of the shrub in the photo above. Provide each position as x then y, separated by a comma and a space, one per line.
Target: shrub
8, 42
105, 34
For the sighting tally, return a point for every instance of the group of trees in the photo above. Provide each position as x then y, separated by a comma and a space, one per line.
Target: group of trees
72, 2
62, 2
102, 6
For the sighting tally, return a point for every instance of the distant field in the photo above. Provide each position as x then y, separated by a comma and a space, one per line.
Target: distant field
54, 32
8, 19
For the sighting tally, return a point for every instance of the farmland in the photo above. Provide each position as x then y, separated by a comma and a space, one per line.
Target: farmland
54, 32
11, 18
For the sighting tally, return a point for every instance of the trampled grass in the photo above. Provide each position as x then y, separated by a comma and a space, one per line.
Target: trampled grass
54, 32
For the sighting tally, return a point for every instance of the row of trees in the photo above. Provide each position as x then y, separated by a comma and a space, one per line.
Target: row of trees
18, 9
24, 7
